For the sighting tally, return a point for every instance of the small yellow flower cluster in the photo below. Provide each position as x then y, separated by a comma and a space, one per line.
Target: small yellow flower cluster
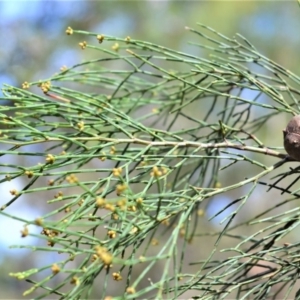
24, 232
110, 206
64, 68
117, 276
80, 202
94, 257
69, 31
154, 242
25, 85
50, 234
50, 182
100, 202
39, 221
112, 234
139, 201
29, 174
122, 204
59, 195
55, 269
68, 209
120, 188
104, 255
45, 86
143, 163
115, 216
117, 171
131, 208
100, 38
50, 159
115, 47
134, 230
75, 280
130, 290
156, 172
71, 178
103, 156
112, 150
80, 125
83, 45
14, 192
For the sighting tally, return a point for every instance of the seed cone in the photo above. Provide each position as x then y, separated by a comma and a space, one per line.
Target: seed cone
291, 138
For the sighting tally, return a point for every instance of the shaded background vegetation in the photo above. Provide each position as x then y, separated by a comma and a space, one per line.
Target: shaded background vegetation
34, 46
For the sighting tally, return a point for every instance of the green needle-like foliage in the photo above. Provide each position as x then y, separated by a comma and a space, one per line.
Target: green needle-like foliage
126, 152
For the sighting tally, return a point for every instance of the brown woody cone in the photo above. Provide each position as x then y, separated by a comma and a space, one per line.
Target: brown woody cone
291, 138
